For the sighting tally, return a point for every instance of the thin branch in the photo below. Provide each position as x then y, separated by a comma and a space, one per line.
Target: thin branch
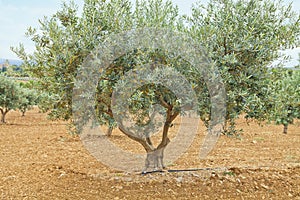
164, 103
174, 116
225, 46
143, 142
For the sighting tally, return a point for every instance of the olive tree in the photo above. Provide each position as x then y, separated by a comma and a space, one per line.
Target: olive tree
65, 40
243, 37
284, 97
9, 96
28, 99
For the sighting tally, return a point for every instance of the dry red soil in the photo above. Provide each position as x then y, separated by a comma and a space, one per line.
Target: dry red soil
40, 160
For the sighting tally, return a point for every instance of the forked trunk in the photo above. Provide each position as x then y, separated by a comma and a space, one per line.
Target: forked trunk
3, 114
155, 156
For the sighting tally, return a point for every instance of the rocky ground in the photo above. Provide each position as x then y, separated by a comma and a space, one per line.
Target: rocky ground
40, 160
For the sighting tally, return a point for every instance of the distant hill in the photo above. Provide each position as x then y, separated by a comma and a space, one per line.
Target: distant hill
11, 61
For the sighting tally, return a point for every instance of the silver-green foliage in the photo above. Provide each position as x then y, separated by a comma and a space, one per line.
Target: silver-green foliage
15, 96
29, 98
284, 93
243, 37
10, 96
64, 40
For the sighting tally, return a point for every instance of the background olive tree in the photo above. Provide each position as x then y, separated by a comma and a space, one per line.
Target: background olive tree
29, 98
15, 96
284, 96
243, 37
10, 95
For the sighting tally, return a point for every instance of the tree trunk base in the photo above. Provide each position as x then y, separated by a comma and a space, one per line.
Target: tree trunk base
109, 131
154, 161
2, 121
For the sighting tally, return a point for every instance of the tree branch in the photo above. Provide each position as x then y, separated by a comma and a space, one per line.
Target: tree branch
143, 142
164, 103
225, 46
172, 117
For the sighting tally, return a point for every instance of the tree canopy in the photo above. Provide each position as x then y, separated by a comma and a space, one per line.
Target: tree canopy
15, 96
241, 37
244, 37
284, 96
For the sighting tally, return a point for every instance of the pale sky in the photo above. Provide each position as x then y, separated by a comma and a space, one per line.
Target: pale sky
17, 15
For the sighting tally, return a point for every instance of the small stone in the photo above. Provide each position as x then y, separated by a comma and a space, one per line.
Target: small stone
119, 187
264, 186
196, 175
179, 179
128, 179
62, 174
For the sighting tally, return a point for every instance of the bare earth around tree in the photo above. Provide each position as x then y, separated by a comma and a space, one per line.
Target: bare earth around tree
40, 160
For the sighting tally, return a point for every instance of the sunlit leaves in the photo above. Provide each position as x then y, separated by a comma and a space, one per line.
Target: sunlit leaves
14, 96
284, 95
244, 37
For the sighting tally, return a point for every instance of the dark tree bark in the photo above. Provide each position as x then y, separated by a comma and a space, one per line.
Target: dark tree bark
289, 119
285, 128
3, 114
2, 118
109, 131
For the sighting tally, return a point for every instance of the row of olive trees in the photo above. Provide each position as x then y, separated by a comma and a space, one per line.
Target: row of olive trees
242, 37
15, 96
284, 97
13, 71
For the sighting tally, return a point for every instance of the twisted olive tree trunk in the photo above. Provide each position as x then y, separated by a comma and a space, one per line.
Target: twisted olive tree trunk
3, 111
155, 155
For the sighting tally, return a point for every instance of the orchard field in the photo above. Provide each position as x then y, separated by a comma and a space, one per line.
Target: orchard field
132, 62
41, 160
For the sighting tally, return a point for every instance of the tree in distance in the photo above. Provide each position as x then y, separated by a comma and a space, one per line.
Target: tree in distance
10, 96
284, 96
